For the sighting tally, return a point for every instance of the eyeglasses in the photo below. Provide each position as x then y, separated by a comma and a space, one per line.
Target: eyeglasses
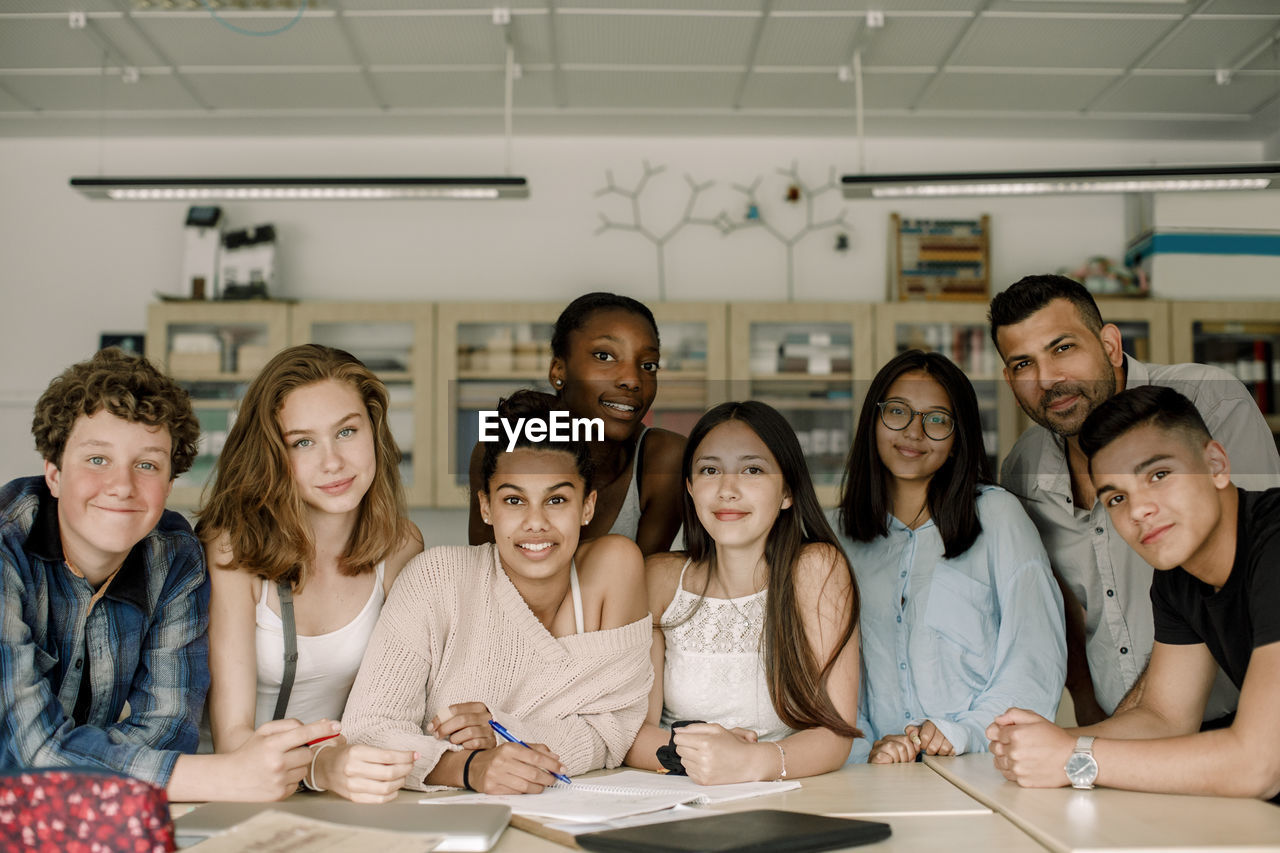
936, 423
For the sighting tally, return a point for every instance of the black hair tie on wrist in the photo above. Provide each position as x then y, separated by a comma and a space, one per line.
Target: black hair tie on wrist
667, 755
466, 770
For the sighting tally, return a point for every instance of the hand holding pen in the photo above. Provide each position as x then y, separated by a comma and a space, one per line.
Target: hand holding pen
506, 735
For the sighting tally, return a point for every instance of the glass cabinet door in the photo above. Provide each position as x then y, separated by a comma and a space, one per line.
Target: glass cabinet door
392, 340
693, 375
961, 333
213, 350
802, 359
1243, 338
484, 352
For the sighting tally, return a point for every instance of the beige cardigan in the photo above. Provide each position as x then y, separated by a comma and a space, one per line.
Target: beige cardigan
454, 629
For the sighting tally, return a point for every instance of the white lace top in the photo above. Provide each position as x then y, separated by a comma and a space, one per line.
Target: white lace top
714, 669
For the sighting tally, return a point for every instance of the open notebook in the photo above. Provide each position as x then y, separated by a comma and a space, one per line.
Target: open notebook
630, 792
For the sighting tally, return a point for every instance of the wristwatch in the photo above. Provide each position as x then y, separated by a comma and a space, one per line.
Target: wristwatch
1082, 768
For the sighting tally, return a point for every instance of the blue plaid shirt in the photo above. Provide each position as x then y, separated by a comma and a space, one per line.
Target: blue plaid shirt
68, 671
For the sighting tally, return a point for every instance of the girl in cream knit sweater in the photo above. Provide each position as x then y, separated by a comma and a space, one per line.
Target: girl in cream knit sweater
546, 636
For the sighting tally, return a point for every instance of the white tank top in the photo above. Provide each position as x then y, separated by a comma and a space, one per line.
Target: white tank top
714, 669
327, 663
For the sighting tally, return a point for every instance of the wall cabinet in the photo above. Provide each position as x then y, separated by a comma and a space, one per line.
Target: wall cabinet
810, 361
1242, 338
445, 362
484, 351
394, 341
214, 349
960, 332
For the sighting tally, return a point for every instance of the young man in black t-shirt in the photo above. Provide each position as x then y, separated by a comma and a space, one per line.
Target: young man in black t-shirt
1167, 488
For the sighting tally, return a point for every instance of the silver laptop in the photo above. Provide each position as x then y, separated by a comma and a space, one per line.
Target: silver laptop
466, 828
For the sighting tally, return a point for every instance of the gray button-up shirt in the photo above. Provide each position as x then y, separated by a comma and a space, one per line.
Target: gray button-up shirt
1111, 581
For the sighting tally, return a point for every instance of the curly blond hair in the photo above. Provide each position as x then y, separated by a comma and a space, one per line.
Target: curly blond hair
129, 387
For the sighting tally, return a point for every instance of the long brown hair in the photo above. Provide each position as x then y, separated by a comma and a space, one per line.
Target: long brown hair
797, 680
254, 500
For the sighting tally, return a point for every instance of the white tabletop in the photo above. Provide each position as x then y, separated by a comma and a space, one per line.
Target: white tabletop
1102, 819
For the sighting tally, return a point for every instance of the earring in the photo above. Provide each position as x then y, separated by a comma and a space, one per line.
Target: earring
559, 382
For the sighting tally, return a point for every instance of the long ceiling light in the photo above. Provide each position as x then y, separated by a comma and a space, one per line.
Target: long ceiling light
300, 189
1155, 179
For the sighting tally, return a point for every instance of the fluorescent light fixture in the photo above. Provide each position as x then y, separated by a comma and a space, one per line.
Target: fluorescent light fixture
1154, 179
299, 189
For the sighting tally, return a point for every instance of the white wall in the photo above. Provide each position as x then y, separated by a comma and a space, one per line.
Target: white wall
71, 268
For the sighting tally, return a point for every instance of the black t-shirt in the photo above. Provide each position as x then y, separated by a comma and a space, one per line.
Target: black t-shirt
1245, 613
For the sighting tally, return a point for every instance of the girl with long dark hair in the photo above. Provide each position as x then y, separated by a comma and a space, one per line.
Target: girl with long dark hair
962, 618
755, 624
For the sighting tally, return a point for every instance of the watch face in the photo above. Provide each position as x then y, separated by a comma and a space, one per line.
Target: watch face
1081, 769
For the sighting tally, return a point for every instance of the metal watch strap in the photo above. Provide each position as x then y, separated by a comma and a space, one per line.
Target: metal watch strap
285, 591
1084, 744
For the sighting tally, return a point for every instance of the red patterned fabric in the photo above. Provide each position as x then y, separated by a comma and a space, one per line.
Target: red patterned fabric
82, 811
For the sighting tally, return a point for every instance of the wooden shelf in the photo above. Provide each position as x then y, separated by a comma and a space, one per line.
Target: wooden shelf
214, 377
803, 404
802, 377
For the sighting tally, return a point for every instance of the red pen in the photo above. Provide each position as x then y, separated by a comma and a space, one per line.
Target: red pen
321, 739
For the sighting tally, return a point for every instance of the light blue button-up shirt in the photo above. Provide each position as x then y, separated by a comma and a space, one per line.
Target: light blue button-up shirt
958, 641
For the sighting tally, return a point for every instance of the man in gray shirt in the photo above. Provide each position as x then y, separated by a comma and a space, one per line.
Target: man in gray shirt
1062, 362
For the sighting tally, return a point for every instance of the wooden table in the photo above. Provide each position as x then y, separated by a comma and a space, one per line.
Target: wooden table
927, 813
1103, 819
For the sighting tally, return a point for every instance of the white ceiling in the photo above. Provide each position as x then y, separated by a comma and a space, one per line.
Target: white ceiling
1147, 69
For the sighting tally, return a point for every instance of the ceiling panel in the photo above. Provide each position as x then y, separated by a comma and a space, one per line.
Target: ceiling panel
654, 39
434, 89
886, 6
631, 89
1096, 7
92, 91
825, 91
125, 38
10, 104
46, 43
1189, 94
912, 41
1076, 42
967, 91
1242, 7
325, 90
665, 5
1213, 43
45, 6
807, 41
198, 40
429, 40
1269, 59
415, 5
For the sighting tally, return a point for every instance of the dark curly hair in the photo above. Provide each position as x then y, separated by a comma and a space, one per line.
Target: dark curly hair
127, 386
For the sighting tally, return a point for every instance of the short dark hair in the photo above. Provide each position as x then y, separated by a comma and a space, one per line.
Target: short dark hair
953, 489
1028, 295
539, 405
129, 387
1157, 405
577, 312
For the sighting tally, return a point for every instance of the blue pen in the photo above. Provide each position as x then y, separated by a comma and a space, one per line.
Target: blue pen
498, 727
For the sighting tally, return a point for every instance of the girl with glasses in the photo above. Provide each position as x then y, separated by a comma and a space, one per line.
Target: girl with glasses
961, 617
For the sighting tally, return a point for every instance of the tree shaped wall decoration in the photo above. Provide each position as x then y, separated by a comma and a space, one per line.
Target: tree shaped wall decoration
757, 216
659, 240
